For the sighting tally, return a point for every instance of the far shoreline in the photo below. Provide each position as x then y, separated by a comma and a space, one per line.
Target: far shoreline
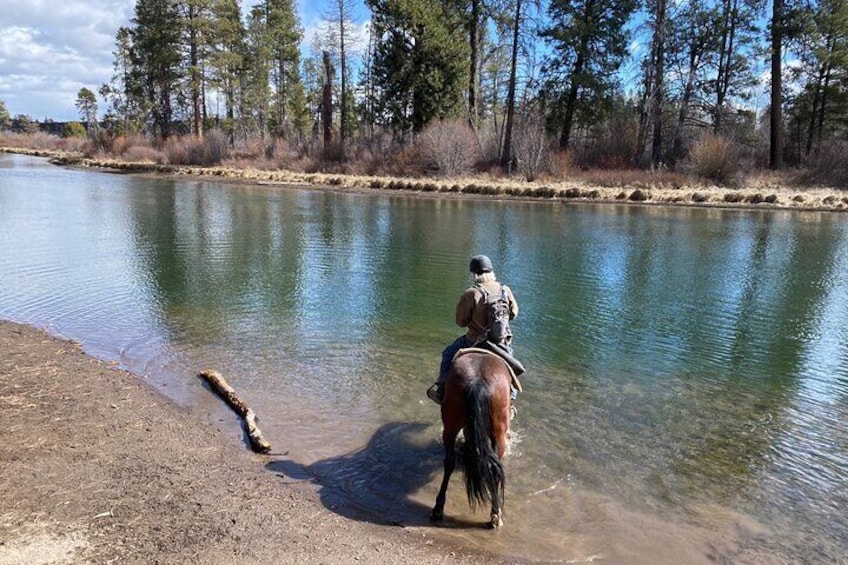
768, 196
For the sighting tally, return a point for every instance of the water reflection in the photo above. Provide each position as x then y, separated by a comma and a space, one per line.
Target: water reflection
679, 359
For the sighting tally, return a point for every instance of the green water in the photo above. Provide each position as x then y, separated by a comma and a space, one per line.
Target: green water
687, 389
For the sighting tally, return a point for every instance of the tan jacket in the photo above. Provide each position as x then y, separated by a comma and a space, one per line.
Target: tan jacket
471, 314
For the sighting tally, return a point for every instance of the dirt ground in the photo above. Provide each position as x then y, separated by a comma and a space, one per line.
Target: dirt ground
97, 467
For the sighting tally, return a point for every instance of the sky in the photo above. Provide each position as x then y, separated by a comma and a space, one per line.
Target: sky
49, 49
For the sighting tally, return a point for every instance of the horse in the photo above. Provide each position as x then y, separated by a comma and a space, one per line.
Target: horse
476, 401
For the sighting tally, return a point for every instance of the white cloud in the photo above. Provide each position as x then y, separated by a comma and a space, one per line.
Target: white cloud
49, 50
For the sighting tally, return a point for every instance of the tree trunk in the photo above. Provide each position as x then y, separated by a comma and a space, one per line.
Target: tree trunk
828, 75
343, 62
814, 111
644, 111
659, 87
506, 155
194, 62
571, 99
473, 30
327, 102
776, 118
688, 91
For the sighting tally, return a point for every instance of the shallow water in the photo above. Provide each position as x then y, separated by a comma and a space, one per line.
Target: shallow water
688, 368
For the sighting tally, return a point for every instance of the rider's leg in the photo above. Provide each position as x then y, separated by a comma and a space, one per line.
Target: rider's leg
437, 392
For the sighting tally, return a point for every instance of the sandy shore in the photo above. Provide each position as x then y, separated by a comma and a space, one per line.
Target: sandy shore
97, 467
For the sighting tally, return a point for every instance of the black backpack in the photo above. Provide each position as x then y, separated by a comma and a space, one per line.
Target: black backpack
497, 315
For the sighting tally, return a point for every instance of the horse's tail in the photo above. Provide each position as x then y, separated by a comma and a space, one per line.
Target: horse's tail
484, 472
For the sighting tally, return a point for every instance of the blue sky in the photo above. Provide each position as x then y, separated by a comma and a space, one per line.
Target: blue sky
49, 49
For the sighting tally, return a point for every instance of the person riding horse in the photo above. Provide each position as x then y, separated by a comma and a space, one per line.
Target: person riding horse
473, 311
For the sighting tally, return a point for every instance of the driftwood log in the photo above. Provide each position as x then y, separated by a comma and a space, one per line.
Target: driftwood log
225, 391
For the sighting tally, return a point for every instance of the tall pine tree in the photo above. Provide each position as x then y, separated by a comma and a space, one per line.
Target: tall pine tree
589, 41
420, 59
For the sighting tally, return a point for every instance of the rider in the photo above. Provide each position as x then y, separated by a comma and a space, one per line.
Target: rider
471, 313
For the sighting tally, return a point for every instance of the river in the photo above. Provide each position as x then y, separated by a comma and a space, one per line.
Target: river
687, 384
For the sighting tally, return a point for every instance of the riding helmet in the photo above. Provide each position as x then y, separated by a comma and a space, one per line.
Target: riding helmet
480, 264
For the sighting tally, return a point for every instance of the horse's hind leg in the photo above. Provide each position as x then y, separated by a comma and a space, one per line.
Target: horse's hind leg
497, 517
449, 439
497, 509
499, 445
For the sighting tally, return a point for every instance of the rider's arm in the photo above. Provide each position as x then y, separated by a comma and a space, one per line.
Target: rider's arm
465, 308
513, 305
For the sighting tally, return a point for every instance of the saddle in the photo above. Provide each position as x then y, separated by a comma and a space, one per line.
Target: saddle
516, 384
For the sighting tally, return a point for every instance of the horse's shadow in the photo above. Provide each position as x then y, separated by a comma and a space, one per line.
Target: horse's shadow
377, 482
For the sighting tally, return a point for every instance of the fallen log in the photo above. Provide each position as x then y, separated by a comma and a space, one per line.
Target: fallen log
225, 391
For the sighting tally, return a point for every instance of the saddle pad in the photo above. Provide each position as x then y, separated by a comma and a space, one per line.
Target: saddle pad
515, 382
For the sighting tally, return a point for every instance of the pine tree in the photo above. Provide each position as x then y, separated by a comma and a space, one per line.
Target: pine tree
86, 104
776, 112
822, 45
589, 43
196, 28
5, 118
255, 88
341, 34
282, 36
420, 59
227, 56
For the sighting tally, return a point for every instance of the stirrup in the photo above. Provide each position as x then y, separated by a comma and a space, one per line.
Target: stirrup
513, 412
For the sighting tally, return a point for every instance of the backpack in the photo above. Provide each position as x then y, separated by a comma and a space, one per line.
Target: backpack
497, 315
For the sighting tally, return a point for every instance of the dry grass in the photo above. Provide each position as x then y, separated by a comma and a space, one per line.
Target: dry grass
281, 166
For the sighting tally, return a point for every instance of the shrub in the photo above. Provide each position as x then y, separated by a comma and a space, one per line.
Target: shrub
215, 147
716, 159
561, 163
74, 129
71, 144
41, 140
142, 154
448, 146
191, 150
823, 169
531, 146
120, 144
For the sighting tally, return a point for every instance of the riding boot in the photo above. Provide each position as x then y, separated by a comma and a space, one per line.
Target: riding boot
436, 393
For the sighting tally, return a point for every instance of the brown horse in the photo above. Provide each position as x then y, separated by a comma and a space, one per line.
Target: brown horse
477, 401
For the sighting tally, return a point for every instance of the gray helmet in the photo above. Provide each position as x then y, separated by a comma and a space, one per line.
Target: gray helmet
480, 264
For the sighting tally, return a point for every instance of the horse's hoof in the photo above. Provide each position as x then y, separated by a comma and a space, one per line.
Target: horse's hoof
496, 522
437, 515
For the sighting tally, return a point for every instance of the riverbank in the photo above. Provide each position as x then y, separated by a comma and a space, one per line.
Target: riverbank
97, 467
763, 192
